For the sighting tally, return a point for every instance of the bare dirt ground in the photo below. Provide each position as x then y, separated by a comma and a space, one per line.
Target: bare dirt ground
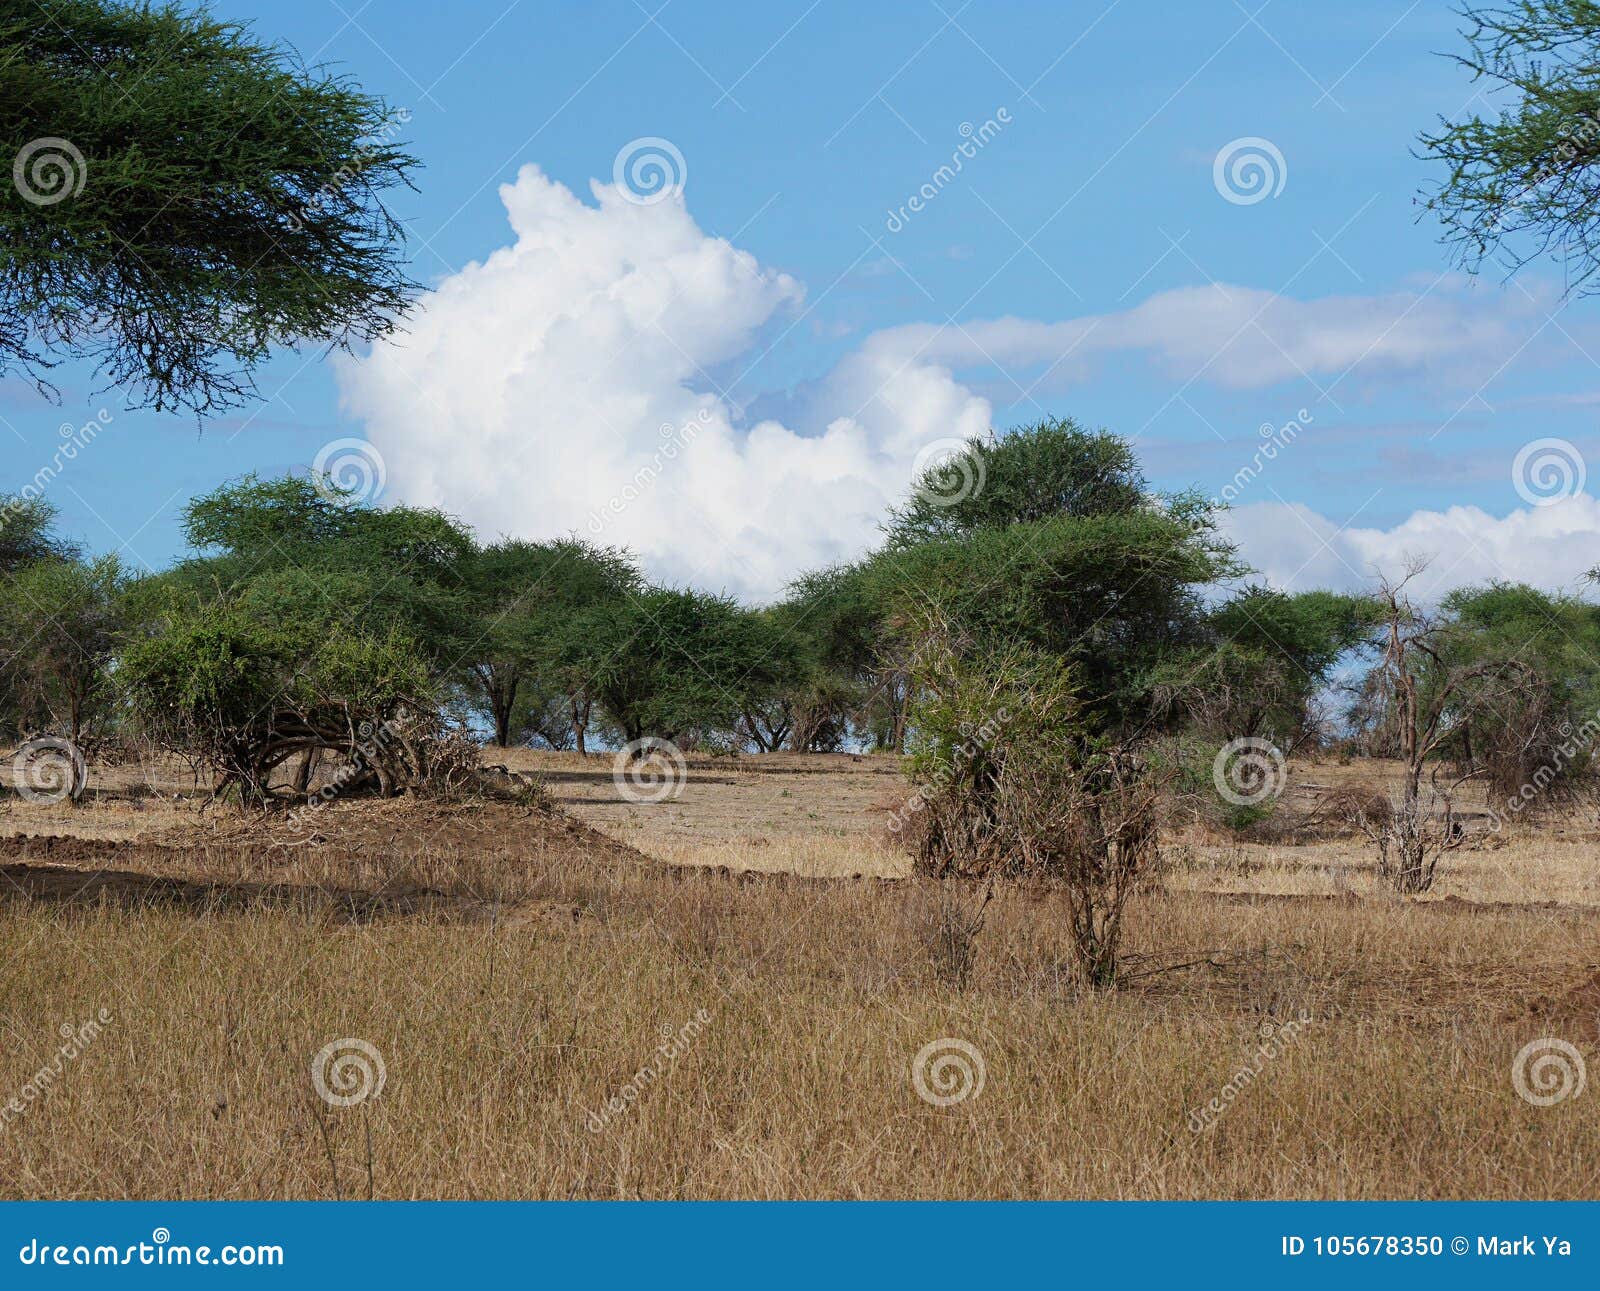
699, 998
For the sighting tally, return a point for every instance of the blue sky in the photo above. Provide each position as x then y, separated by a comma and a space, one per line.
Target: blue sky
1144, 300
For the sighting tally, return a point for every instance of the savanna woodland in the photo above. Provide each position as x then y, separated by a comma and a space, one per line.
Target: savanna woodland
1047, 833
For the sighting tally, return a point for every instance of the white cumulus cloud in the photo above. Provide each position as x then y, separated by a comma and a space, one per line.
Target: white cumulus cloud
1294, 547
573, 382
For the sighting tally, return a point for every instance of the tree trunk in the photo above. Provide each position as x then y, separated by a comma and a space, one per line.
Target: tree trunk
580, 724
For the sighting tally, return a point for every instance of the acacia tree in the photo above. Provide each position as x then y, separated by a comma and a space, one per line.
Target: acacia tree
1526, 182
61, 622
530, 601
303, 625
187, 198
245, 695
1527, 737
1430, 698
1035, 626
1269, 657
674, 663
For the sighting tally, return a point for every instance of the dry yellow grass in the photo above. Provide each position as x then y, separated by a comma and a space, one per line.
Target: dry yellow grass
517, 974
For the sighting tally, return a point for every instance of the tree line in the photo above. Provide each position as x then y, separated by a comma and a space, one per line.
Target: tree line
299, 614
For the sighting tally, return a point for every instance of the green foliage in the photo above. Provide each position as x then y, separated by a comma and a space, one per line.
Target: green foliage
532, 604
835, 626
314, 564
27, 532
1032, 473
673, 663
1525, 182
1270, 654
245, 693
224, 199
60, 626
1114, 595
1537, 686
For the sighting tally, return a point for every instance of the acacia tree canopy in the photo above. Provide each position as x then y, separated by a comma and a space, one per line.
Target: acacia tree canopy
187, 198
1526, 182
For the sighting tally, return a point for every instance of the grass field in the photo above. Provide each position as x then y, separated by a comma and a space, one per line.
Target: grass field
741, 993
